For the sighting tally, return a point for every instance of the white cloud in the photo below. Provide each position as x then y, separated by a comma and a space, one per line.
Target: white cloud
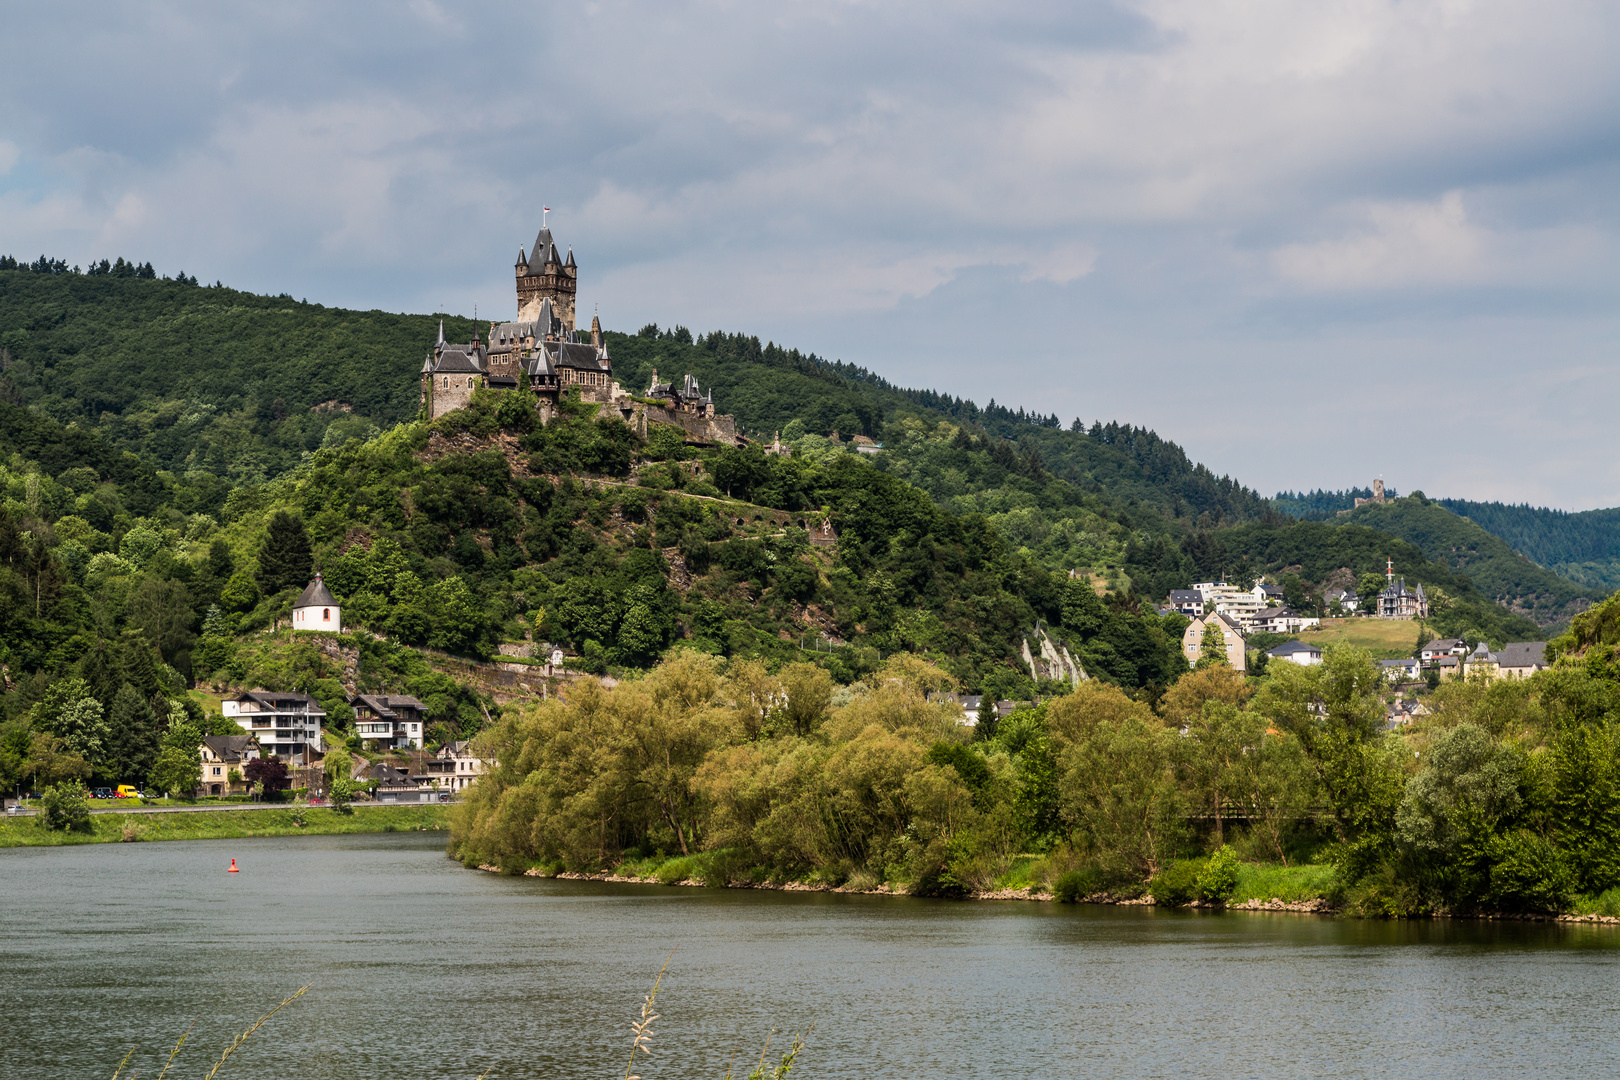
1402, 244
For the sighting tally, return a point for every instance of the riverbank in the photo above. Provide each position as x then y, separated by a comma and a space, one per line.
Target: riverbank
1244, 898
240, 823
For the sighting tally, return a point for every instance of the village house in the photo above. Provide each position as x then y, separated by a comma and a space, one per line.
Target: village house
1281, 620
1439, 647
391, 721
393, 785
1399, 602
1189, 602
1192, 639
1348, 601
1515, 660
1296, 652
453, 768
221, 756
286, 725
1240, 604
1406, 669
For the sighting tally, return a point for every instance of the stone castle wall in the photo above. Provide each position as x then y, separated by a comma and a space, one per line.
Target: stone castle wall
441, 399
559, 287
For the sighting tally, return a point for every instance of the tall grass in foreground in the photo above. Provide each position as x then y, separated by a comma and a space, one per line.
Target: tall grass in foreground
640, 1029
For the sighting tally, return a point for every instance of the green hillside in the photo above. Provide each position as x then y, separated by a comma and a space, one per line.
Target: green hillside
1487, 561
1584, 546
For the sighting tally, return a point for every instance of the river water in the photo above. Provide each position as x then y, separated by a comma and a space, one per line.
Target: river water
424, 969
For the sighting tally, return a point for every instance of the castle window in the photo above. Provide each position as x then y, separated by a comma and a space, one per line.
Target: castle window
447, 382
326, 614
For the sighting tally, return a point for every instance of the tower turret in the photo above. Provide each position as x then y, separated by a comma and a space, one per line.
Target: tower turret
545, 276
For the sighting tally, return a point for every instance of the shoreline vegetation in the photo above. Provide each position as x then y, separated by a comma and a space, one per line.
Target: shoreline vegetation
1223, 790
235, 824
1313, 905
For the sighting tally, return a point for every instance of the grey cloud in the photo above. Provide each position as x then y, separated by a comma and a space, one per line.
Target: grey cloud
1266, 199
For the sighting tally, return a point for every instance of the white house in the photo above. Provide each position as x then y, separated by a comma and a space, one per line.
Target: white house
286, 725
1281, 620
464, 766
1348, 601
1409, 668
317, 610
1238, 604
391, 721
1444, 647
1297, 652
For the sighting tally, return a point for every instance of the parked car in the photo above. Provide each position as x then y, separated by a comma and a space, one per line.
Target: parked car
127, 791
444, 796
101, 793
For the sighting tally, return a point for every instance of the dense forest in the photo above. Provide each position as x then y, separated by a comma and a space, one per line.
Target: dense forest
1489, 563
1322, 505
1584, 547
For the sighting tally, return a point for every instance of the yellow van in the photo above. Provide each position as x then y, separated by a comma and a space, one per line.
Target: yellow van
126, 791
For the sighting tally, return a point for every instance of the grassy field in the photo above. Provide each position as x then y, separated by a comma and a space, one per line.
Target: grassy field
227, 825
1386, 639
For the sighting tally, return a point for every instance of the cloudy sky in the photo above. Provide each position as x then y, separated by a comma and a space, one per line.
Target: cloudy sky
1313, 242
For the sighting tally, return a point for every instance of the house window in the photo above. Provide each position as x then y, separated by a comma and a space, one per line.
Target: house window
216, 770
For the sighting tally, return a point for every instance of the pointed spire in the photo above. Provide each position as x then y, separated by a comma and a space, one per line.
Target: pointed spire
440, 342
570, 261
596, 331
522, 260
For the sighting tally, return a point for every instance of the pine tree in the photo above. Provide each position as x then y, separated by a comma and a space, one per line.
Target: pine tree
285, 561
132, 738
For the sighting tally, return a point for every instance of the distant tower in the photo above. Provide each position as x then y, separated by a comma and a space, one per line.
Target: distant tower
1378, 490
543, 275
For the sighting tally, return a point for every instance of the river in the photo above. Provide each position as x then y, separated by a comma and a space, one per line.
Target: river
424, 969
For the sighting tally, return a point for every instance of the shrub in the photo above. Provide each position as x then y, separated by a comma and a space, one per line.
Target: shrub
1177, 884
1219, 877
1529, 874
65, 808
674, 871
1076, 885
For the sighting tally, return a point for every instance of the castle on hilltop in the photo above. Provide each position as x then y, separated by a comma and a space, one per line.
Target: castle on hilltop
543, 346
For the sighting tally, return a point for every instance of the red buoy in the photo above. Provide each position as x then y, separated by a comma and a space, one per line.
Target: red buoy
233, 869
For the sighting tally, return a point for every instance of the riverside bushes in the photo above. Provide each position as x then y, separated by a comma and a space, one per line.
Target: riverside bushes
1282, 787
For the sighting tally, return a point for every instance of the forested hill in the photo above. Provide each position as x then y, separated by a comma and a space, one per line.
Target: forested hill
1488, 561
244, 386
1584, 546
129, 375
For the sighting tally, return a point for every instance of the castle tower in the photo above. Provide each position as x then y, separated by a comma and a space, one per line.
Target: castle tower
544, 275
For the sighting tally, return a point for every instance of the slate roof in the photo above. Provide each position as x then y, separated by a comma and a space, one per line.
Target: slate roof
1186, 596
377, 703
315, 594
1293, 648
1518, 654
460, 359
282, 702
568, 354
229, 748
544, 251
